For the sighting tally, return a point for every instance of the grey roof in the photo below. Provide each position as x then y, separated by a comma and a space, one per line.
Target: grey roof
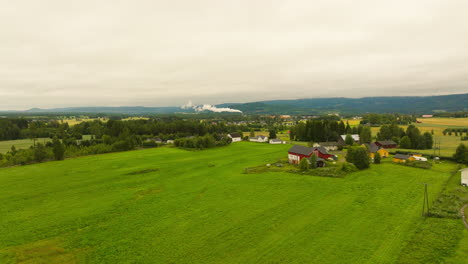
386, 142
321, 149
301, 150
235, 135
373, 148
401, 156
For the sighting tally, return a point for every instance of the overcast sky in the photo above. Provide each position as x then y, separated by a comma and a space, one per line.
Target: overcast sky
161, 53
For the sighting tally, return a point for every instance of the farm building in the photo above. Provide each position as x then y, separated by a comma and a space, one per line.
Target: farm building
296, 153
418, 156
464, 177
277, 141
342, 139
402, 158
386, 144
331, 145
235, 137
259, 139
374, 148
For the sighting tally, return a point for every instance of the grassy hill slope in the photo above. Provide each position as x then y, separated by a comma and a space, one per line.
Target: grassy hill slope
168, 205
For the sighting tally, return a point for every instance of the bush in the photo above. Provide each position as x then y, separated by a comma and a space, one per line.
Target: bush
348, 167
149, 144
377, 158
417, 164
304, 164
358, 156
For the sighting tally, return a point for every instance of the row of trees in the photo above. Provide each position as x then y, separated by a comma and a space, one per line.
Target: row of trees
455, 131
382, 119
409, 139
203, 142
321, 130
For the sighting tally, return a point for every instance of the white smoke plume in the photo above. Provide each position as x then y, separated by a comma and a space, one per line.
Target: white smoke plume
207, 107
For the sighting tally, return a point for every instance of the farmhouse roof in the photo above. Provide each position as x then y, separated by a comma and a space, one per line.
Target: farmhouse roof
373, 147
301, 150
276, 140
235, 135
386, 142
401, 156
321, 149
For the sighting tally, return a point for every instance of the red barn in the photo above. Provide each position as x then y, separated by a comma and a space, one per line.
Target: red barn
296, 153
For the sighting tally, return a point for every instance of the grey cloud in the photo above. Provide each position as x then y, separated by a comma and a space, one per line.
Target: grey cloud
158, 53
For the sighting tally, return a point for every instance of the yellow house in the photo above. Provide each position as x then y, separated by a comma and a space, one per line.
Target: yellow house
374, 148
402, 158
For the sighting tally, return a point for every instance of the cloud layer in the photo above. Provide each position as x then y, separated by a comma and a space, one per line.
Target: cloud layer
158, 53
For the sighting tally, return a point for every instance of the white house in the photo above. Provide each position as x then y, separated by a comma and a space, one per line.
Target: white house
277, 141
355, 137
170, 141
464, 177
329, 146
235, 137
259, 139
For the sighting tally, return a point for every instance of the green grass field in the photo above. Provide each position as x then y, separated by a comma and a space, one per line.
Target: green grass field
167, 205
6, 145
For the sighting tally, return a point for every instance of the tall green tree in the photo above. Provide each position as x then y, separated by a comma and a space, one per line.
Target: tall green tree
461, 154
366, 135
272, 134
349, 140
358, 156
313, 161
405, 142
304, 164
58, 149
40, 152
428, 140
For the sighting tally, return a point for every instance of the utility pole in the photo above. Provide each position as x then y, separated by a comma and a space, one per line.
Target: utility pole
425, 210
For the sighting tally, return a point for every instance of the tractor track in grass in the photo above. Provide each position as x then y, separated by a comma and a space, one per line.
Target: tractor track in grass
462, 212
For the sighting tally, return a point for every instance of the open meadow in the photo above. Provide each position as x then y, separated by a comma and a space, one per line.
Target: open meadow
168, 205
6, 145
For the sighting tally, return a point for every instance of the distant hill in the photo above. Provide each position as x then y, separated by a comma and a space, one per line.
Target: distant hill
404, 104
111, 110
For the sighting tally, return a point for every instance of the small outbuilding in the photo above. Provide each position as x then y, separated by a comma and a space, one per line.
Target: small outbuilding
277, 141
259, 139
400, 158
464, 177
235, 137
329, 146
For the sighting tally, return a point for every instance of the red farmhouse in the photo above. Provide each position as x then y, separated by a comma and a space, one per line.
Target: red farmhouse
296, 153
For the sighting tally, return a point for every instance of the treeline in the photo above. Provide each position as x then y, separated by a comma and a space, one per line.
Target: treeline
409, 139
386, 119
321, 130
455, 131
203, 142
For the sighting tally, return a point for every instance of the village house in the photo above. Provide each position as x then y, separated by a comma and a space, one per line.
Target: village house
386, 144
170, 141
235, 137
277, 141
374, 148
259, 139
399, 158
329, 146
342, 139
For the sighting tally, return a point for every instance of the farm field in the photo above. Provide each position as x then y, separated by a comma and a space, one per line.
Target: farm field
168, 205
6, 145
